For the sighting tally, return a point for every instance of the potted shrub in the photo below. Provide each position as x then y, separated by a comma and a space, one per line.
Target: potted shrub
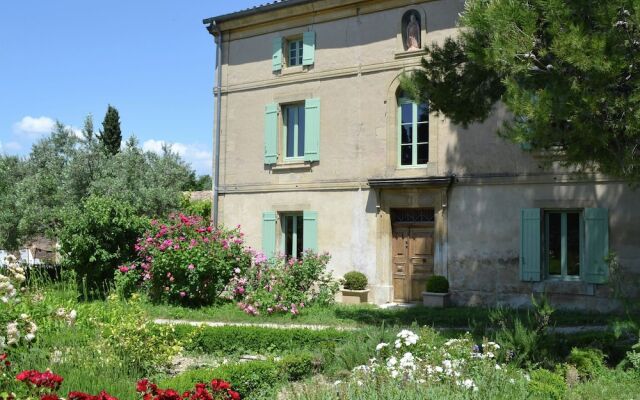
354, 289
437, 294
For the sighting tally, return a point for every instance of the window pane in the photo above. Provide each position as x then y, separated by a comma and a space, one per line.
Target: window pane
405, 134
554, 243
407, 113
288, 235
423, 133
300, 131
406, 157
290, 115
423, 153
573, 244
423, 113
299, 227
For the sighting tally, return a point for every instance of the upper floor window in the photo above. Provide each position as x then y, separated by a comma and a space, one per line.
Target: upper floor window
413, 133
298, 50
293, 128
295, 50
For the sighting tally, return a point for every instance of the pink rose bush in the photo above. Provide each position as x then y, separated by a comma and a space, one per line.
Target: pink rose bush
187, 262
282, 285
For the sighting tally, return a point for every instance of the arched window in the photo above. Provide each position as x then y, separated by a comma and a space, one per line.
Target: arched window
413, 132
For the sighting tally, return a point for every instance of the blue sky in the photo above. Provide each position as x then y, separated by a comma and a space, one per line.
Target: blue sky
152, 60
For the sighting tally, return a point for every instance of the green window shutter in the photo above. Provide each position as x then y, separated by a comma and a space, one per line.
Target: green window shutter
596, 249
308, 48
312, 130
269, 233
276, 61
530, 249
310, 231
271, 134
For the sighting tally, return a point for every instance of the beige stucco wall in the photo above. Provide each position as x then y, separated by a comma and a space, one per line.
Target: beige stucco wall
358, 61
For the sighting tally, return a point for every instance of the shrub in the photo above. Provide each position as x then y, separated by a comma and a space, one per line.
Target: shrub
523, 340
201, 208
251, 379
355, 280
187, 262
96, 237
227, 340
588, 362
299, 365
437, 284
545, 384
281, 285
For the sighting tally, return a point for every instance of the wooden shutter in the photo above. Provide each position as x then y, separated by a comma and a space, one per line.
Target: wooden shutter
530, 250
308, 48
271, 134
312, 130
310, 231
596, 249
269, 233
276, 61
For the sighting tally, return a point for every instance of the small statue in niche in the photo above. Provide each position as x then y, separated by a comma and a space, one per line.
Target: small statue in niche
413, 34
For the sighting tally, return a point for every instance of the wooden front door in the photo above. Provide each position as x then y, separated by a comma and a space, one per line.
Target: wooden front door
412, 261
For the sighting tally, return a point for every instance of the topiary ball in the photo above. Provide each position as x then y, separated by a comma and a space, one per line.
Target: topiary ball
355, 280
437, 284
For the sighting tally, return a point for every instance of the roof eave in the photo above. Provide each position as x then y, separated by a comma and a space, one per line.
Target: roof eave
253, 11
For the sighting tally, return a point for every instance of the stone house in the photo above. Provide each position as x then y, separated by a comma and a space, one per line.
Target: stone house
315, 146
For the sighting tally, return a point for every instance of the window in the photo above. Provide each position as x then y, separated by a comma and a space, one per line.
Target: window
294, 52
293, 132
292, 235
413, 133
562, 244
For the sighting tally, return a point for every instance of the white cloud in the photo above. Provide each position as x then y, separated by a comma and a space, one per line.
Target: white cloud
196, 155
34, 127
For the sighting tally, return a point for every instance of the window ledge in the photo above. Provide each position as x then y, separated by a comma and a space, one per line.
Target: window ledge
298, 69
298, 166
565, 287
409, 54
409, 167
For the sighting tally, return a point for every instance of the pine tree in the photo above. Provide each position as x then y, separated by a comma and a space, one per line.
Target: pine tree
110, 135
567, 70
87, 130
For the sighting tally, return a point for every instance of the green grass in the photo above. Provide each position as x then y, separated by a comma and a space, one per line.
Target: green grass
368, 315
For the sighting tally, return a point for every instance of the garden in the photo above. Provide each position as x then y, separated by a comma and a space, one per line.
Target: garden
92, 329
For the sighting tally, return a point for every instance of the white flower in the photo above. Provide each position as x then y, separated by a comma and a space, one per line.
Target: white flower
407, 361
29, 337
498, 367
394, 373
336, 383
71, 317
359, 382
392, 361
381, 346
237, 270
56, 357
512, 381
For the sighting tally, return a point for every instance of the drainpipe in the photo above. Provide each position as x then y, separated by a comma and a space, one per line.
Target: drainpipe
217, 34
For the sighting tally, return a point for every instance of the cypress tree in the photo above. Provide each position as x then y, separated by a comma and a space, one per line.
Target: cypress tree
110, 135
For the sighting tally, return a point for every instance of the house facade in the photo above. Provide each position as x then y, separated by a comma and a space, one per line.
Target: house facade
316, 147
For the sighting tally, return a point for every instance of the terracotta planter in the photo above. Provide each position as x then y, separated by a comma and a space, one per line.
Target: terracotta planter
355, 296
435, 300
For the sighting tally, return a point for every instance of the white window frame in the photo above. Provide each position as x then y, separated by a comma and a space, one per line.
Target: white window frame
296, 134
414, 135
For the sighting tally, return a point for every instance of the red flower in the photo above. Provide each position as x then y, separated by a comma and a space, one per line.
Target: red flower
234, 395
49, 397
220, 385
142, 386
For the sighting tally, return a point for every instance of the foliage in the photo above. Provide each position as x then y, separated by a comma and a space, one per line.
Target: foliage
125, 330
63, 170
523, 339
566, 71
187, 261
11, 172
633, 356
282, 285
299, 365
588, 362
228, 340
251, 380
355, 280
110, 135
437, 284
96, 236
545, 384
200, 208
